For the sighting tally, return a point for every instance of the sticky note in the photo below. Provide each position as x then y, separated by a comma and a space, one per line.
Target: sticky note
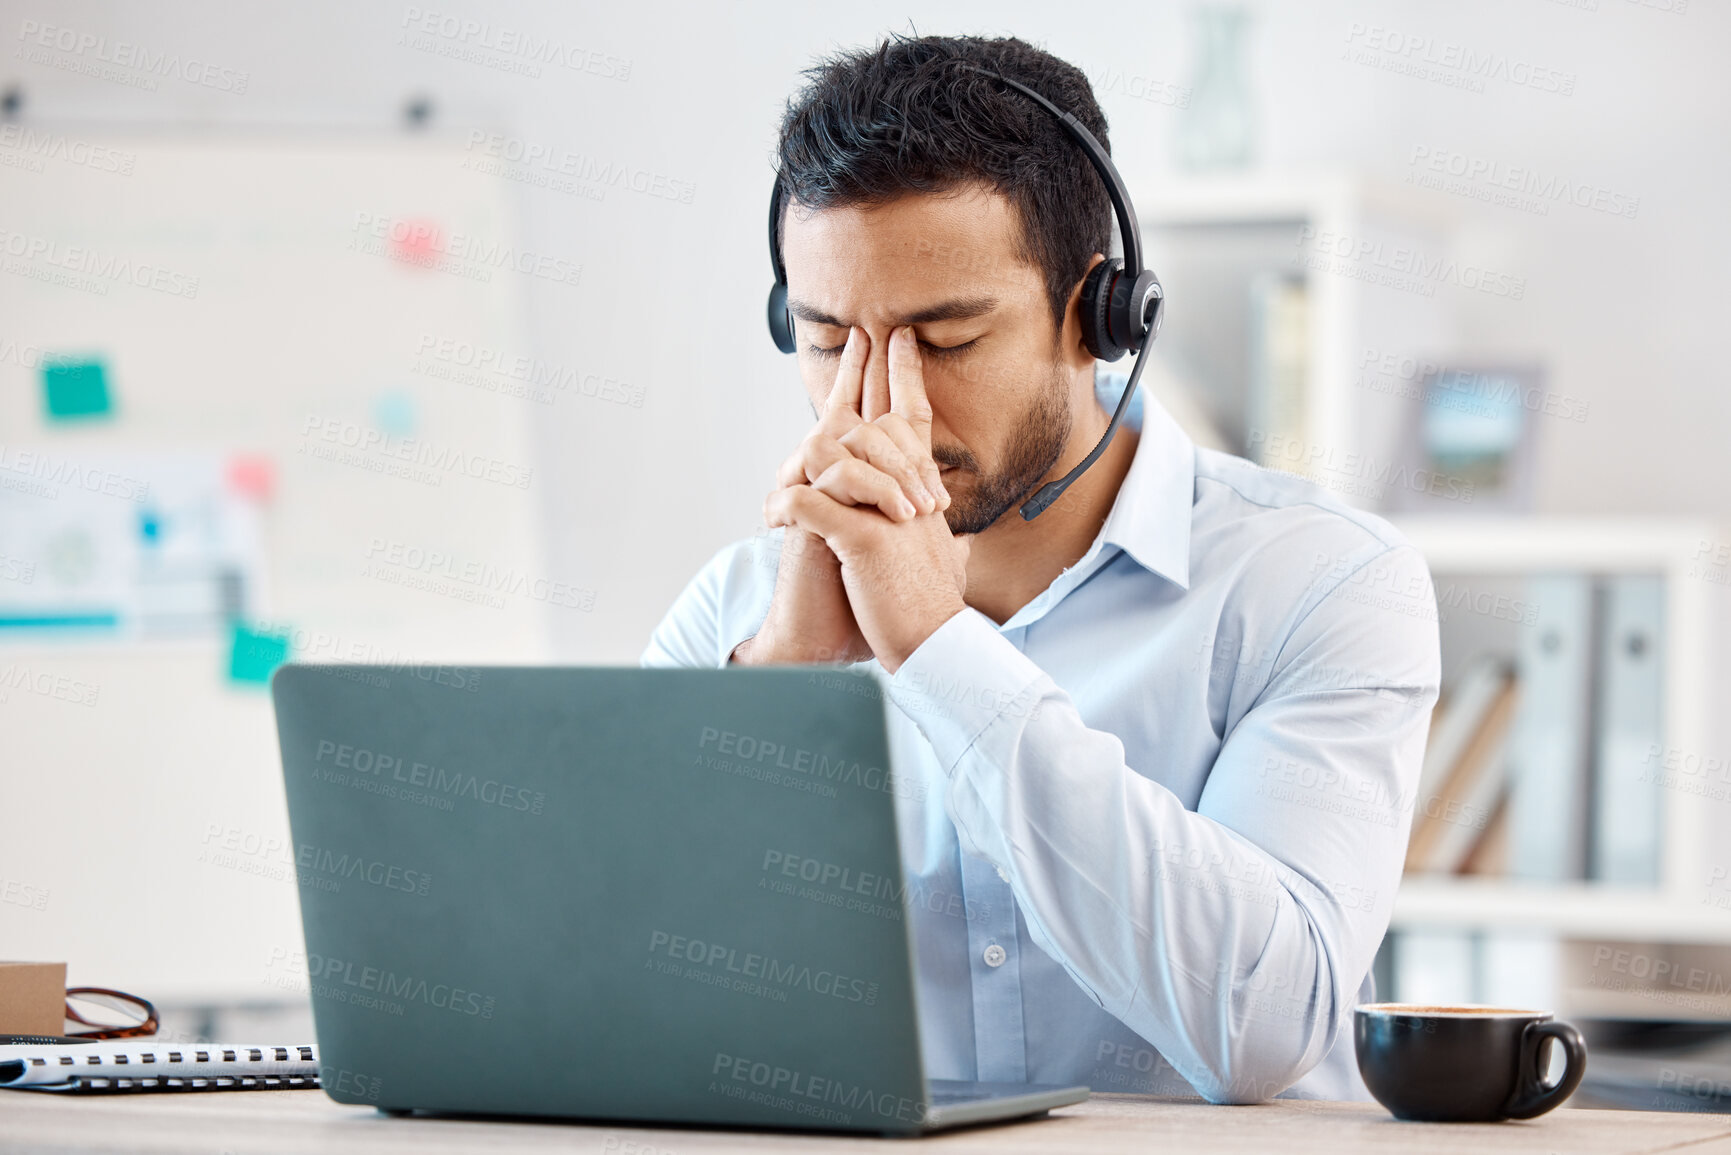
417, 242
74, 389
252, 476
255, 654
394, 412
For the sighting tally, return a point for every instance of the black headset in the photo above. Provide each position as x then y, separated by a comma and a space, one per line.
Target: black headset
1121, 304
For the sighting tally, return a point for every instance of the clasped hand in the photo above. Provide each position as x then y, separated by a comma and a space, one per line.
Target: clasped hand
869, 567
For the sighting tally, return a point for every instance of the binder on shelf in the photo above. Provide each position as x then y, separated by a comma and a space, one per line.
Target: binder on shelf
1548, 749
1454, 816
1629, 722
1456, 719
1489, 856
1472, 792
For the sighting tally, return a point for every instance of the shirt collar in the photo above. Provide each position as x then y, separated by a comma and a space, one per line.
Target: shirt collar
1150, 519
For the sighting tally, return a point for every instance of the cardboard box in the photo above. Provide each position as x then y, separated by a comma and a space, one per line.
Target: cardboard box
32, 998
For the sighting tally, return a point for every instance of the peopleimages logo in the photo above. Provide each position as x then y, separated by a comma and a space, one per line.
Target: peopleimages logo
1359, 474
1399, 266
538, 380
23, 894
335, 974
1492, 180
427, 245
29, 142
755, 757
533, 157
715, 956
513, 49
812, 1096
439, 783
860, 891
1478, 392
481, 576
42, 466
1447, 62
92, 55
42, 254
413, 458
220, 839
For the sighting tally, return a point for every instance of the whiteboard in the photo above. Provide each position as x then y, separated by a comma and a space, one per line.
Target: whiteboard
346, 311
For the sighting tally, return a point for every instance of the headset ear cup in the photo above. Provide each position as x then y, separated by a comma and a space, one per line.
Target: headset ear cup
780, 320
1095, 307
1134, 314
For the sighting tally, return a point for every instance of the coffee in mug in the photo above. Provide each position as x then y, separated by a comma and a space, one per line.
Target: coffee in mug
1464, 1064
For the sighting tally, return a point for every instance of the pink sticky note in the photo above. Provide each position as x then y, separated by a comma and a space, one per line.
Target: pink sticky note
416, 240
252, 475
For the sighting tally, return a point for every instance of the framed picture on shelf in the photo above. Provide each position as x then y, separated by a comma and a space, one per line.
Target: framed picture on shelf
1470, 441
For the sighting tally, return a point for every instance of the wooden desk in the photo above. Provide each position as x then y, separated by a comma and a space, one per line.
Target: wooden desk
297, 1122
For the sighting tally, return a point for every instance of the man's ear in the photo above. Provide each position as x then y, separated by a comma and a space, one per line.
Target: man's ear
1072, 348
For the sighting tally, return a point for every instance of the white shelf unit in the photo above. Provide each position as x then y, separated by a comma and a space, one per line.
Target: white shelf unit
1195, 230
1673, 911
1582, 910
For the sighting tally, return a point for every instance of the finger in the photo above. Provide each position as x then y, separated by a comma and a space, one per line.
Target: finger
876, 401
876, 447
908, 385
837, 421
853, 482
815, 454
902, 434
845, 393
817, 513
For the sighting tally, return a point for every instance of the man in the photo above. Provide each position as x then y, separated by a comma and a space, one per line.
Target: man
1161, 742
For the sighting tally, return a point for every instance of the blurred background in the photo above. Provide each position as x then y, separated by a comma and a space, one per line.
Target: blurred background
411, 334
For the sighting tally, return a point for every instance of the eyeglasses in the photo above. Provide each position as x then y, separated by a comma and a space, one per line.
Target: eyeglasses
109, 1014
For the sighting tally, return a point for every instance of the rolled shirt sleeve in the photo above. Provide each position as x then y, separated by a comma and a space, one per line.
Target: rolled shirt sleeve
719, 608
1233, 937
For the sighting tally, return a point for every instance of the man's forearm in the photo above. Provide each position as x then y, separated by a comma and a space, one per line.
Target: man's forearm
1221, 937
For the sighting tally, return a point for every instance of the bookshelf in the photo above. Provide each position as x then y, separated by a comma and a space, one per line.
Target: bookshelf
1213, 239
1586, 911
1568, 927
1668, 547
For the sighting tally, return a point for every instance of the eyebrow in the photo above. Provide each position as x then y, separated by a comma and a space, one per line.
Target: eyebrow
958, 309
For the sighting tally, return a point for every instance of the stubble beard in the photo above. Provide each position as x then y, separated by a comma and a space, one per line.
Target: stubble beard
1038, 443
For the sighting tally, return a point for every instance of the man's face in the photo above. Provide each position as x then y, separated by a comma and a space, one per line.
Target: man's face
998, 373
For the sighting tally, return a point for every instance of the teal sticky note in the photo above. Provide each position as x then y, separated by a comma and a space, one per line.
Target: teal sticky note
75, 389
254, 655
394, 412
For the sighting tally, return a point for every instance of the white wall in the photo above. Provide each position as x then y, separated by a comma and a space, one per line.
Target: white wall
1628, 313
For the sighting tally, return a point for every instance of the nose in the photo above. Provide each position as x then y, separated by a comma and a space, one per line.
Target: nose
875, 396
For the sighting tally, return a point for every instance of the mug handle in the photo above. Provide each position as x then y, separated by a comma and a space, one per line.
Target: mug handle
1532, 1098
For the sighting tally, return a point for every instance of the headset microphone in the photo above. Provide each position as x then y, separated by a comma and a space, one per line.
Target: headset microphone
1121, 305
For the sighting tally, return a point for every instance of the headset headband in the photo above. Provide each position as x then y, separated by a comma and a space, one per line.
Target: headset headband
1122, 302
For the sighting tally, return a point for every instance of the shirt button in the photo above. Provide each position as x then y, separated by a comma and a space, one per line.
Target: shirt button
995, 955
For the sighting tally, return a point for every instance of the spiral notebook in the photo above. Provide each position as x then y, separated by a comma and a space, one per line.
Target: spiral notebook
101, 1067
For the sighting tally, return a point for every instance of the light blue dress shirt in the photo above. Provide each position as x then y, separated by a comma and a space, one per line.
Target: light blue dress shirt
1159, 815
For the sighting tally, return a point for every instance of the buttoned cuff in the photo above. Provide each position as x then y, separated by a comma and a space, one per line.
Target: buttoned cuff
962, 679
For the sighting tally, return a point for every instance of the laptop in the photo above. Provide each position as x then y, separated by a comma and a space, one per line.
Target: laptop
656, 896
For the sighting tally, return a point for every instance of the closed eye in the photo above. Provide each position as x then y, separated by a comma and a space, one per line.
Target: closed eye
949, 350
933, 350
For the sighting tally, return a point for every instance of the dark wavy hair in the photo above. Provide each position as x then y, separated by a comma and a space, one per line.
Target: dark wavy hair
874, 124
